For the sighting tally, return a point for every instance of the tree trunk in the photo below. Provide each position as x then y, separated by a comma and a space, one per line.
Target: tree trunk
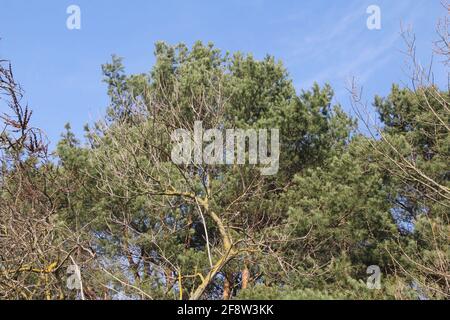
245, 277
227, 286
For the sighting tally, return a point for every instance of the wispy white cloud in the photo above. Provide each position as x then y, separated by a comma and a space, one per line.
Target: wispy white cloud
336, 48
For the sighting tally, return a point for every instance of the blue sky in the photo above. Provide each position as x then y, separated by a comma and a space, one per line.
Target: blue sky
323, 41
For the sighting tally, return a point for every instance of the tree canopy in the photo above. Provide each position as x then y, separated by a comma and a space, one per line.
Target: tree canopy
139, 226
